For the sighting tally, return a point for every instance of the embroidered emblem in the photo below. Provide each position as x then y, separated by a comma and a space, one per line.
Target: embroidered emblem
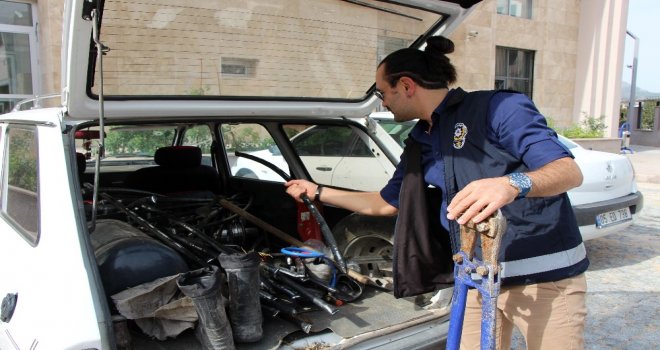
460, 132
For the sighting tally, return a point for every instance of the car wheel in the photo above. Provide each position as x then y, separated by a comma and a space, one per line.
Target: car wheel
366, 243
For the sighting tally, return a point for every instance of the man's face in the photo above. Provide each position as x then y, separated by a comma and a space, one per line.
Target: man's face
393, 97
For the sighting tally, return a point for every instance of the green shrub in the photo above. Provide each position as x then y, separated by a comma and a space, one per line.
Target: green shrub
590, 127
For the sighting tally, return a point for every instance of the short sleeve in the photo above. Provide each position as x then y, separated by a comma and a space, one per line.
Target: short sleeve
519, 128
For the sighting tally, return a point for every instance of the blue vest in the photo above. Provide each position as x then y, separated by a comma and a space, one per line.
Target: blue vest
542, 242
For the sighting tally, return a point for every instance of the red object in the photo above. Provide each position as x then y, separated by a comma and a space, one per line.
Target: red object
308, 228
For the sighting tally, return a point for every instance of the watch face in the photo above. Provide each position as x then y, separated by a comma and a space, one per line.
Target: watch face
522, 182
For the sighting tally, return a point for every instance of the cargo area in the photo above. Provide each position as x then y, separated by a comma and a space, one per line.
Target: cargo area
145, 238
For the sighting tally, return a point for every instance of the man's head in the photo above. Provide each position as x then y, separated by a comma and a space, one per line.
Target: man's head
405, 71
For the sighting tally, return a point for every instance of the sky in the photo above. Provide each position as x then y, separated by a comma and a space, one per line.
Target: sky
643, 22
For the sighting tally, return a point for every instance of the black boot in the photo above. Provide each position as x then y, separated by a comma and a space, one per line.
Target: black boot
203, 287
244, 303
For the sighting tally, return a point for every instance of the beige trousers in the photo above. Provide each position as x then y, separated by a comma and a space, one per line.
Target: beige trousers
549, 315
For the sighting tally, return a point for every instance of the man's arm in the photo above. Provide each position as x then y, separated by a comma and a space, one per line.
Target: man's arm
367, 203
480, 198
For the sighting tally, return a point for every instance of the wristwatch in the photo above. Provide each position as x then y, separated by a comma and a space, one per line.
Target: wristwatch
317, 195
521, 182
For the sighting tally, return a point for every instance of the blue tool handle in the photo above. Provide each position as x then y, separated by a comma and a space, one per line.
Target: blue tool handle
301, 252
488, 287
457, 315
488, 320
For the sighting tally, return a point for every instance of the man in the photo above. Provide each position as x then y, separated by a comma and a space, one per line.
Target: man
485, 151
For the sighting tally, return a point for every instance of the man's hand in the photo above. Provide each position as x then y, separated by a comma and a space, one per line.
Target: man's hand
481, 198
295, 188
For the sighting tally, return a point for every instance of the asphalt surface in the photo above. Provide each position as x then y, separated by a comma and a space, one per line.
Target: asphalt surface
623, 295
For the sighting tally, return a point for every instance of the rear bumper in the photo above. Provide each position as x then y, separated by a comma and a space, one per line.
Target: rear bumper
586, 214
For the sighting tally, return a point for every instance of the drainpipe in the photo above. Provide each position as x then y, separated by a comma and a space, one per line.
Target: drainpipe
633, 83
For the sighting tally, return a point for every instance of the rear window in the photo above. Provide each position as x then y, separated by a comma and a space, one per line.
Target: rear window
278, 48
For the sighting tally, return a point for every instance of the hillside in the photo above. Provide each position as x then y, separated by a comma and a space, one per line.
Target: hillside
640, 94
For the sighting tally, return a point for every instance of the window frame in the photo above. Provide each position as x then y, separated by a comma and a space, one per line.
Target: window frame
528, 15
31, 31
507, 76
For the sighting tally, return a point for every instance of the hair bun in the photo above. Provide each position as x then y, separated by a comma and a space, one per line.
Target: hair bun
439, 45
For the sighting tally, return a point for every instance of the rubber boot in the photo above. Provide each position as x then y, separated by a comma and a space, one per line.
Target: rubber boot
244, 303
203, 287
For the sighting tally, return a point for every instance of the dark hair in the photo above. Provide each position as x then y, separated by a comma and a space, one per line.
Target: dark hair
430, 68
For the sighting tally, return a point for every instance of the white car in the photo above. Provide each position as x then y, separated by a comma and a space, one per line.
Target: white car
86, 216
606, 202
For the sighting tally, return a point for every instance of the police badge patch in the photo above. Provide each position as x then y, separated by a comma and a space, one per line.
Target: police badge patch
460, 132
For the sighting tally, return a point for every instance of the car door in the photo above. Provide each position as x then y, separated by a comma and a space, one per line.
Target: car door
359, 168
47, 278
321, 148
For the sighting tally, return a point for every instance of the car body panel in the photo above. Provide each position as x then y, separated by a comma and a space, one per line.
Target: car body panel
61, 300
54, 266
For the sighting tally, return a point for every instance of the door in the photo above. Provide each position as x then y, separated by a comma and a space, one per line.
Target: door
18, 53
47, 278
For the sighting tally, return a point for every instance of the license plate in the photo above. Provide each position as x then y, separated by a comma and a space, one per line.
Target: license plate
613, 217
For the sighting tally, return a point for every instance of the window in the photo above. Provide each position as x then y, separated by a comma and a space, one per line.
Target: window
330, 141
514, 70
200, 136
256, 141
18, 80
387, 45
339, 156
515, 8
239, 67
20, 189
127, 147
257, 48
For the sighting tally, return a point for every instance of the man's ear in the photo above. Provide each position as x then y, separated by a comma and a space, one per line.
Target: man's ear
408, 85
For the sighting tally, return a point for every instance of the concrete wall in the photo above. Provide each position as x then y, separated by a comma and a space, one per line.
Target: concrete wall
51, 14
601, 45
608, 144
645, 137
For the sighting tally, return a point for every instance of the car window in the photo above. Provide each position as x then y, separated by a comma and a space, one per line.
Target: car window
337, 155
200, 136
141, 142
297, 48
398, 131
323, 141
125, 145
256, 141
20, 189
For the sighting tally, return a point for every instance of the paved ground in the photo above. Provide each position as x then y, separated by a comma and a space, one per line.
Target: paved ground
623, 300
646, 161
624, 290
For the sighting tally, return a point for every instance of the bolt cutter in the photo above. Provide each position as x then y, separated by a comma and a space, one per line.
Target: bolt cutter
479, 274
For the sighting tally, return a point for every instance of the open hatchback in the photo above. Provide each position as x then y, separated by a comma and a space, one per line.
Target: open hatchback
178, 125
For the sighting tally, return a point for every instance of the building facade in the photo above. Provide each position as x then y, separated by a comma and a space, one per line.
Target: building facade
565, 54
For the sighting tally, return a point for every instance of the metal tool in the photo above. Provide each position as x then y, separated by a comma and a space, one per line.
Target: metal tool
328, 237
487, 280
